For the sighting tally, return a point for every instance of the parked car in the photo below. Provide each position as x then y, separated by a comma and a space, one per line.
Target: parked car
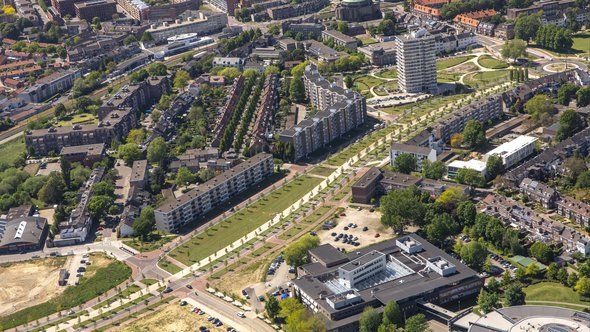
240, 314
167, 290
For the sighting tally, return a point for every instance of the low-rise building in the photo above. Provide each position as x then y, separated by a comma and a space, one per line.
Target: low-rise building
504, 31
340, 39
229, 62
382, 54
176, 212
23, 234
420, 153
473, 164
323, 52
85, 154
139, 174
539, 192
49, 86
313, 30
574, 209
514, 151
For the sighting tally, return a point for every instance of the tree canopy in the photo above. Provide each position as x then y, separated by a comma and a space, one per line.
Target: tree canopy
513, 49
474, 135
404, 163
296, 252
401, 208
494, 166
569, 123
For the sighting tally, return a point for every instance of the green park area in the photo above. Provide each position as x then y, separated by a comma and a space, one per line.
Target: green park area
487, 78
491, 63
11, 150
244, 221
366, 82
553, 292
389, 73
322, 171
581, 42
451, 62
168, 266
154, 240
103, 275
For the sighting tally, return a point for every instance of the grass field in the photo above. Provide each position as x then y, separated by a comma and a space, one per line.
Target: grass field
11, 150
491, 63
296, 229
101, 280
581, 42
78, 119
366, 82
367, 41
243, 222
323, 171
168, 266
390, 73
124, 294
487, 78
155, 240
451, 62
552, 291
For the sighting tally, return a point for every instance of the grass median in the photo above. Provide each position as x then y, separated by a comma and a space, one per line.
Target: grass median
244, 221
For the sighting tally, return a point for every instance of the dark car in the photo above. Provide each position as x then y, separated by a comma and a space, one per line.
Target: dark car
167, 290
189, 286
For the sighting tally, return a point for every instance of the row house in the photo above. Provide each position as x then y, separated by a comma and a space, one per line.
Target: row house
176, 212
267, 106
575, 210
539, 192
228, 110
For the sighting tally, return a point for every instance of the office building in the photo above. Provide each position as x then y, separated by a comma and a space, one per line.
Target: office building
103, 9
341, 111
548, 8
514, 151
416, 62
407, 270
202, 23
357, 10
313, 30
473, 164
176, 212
173, 10
340, 39
420, 153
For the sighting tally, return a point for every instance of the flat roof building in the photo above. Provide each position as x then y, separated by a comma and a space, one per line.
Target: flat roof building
416, 62
473, 164
408, 270
103, 9
23, 234
86, 154
419, 152
514, 151
340, 39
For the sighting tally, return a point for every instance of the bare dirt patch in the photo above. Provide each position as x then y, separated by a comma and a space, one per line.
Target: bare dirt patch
25, 284
172, 318
47, 214
234, 282
361, 218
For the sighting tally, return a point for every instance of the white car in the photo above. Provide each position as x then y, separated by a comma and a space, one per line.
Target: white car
240, 314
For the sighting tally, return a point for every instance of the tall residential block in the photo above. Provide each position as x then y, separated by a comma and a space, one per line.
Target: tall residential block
416, 62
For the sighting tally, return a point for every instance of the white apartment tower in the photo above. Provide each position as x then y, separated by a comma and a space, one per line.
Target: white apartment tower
416, 62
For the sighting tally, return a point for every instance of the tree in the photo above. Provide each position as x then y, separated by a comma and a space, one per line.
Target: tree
474, 134
181, 79
184, 176
470, 177
129, 40
387, 27
296, 252
156, 150
136, 136
540, 108
52, 191
562, 276
272, 307
433, 170
583, 286
494, 166
526, 26
370, 320
583, 180
416, 323
96, 23
297, 89
348, 81
493, 285
157, 69
401, 208
304, 320
513, 49
290, 306
98, 205
514, 295
569, 122
566, 92
456, 140
465, 213
474, 254
451, 197
146, 37
583, 97
103, 188
392, 313
60, 110
438, 230
404, 163
145, 223
487, 301
130, 152
542, 252
574, 167
342, 26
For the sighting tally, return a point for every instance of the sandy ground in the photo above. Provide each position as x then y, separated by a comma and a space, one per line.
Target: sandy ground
361, 218
172, 318
122, 183
47, 214
234, 282
29, 283
51, 167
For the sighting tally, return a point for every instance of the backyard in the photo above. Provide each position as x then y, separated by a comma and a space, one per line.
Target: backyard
77, 119
244, 221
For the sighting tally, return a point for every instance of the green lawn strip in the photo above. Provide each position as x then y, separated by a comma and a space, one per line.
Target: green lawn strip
581, 42
168, 266
159, 239
148, 282
244, 221
103, 279
124, 294
113, 312
487, 78
298, 228
451, 62
215, 263
134, 315
323, 171
391, 73
552, 291
491, 63
11, 150
260, 251
78, 119
59, 321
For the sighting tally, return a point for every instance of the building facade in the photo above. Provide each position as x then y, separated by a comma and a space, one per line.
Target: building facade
49, 86
539, 192
202, 23
420, 153
514, 151
416, 62
357, 11
103, 9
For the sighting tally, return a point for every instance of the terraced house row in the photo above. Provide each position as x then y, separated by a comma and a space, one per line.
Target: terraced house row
176, 212
342, 110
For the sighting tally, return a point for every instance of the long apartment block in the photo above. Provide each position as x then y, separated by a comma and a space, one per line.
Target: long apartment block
176, 212
341, 111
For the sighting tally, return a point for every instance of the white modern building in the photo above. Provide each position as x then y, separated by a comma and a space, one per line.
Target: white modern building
416, 62
362, 268
419, 152
229, 62
472, 164
514, 151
